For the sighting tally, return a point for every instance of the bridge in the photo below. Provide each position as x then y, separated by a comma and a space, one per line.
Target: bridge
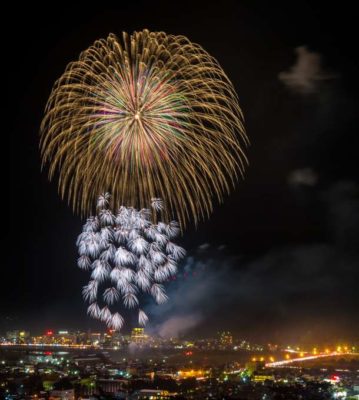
282, 363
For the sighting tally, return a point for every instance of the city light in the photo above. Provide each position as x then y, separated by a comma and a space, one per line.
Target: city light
61, 354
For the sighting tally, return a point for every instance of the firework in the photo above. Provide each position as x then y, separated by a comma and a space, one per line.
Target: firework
127, 255
142, 116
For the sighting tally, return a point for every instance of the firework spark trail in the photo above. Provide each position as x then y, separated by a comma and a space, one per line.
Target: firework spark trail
142, 116
127, 254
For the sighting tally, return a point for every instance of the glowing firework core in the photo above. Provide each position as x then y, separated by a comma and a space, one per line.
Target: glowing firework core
141, 116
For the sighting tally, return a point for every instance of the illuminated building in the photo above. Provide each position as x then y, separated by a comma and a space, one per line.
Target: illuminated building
94, 338
82, 338
152, 394
333, 379
62, 394
112, 338
225, 339
193, 373
138, 336
47, 338
262, 378
111, 385
64, 337
17, 337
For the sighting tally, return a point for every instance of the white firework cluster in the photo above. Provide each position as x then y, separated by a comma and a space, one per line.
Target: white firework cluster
127, 255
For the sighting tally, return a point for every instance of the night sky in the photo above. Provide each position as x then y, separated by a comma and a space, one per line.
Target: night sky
279, 259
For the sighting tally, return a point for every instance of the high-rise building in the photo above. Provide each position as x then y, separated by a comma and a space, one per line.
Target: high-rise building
64, 337
94, 338
112, 338
138, 336
18, 337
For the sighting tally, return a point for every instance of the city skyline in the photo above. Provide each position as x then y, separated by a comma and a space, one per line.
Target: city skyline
142, 339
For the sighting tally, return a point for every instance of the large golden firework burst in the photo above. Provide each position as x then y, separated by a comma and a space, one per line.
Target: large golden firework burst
142, 116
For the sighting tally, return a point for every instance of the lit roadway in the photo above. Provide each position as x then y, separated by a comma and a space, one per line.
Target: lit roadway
57, 346
305, 358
